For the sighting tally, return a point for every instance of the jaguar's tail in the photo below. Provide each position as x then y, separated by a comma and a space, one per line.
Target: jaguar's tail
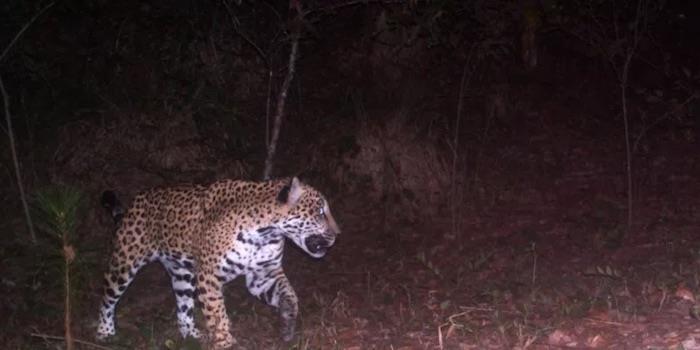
113, 205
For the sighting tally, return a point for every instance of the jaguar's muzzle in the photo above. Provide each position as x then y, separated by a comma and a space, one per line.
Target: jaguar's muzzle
317, 244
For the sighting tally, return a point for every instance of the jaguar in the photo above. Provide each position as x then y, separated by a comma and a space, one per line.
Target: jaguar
208, 235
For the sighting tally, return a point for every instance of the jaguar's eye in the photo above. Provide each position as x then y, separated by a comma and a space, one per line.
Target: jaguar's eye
321, 211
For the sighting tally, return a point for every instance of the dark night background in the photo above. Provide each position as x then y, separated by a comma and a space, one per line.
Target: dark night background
474, 152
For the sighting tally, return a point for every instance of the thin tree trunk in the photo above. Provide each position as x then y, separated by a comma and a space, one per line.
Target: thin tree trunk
281, 100
624, 81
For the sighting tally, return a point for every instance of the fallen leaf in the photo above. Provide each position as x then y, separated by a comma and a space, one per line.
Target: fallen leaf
690, 344
558, 337
685, 294
595, 342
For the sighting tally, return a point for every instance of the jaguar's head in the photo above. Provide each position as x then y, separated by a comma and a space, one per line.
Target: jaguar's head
308, 221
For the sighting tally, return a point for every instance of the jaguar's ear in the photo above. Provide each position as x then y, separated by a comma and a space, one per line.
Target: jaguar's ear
291, 193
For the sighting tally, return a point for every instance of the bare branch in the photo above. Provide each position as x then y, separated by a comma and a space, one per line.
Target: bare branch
236, 27
349, 3
24, 28
13, 149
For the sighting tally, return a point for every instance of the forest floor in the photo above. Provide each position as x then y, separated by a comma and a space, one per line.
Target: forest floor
551, 268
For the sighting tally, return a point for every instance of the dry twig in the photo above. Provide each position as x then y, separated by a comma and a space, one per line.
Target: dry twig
55, 337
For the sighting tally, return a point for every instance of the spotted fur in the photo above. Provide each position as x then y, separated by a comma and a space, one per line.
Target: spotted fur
206, 236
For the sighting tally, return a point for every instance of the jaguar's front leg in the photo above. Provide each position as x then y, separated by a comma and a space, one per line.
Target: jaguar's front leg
288, 310
274, 288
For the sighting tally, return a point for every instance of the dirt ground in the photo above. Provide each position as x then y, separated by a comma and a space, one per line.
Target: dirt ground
511, 230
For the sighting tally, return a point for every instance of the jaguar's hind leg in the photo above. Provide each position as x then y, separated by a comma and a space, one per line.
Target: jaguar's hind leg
182, 277
122, 271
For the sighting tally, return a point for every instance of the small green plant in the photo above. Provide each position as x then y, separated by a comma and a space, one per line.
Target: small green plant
58, 207
421, 256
